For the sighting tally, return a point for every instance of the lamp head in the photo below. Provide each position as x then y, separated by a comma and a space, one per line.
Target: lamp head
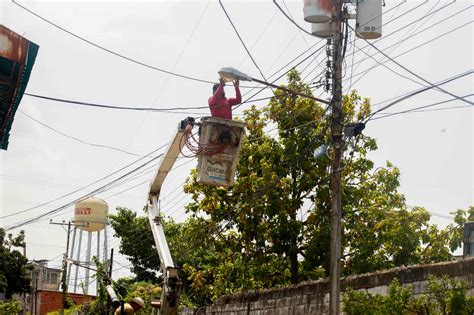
230, 73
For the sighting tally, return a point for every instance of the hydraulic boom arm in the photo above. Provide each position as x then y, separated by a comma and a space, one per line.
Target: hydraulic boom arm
171, 283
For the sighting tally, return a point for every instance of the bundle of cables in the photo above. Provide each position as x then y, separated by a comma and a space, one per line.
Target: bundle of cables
197, 148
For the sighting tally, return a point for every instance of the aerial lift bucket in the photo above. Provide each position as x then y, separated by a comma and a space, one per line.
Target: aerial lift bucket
220, 140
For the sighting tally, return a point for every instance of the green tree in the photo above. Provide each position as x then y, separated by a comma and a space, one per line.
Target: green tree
278, 178
10, 307
145, 290
190, 244
272, 227
14, 268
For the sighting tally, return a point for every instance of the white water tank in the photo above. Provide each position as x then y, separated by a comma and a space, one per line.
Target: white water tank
323, 30
369, 19
317, 11
91, 214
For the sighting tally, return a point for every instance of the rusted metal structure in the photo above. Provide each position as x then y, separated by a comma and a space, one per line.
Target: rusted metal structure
17, 56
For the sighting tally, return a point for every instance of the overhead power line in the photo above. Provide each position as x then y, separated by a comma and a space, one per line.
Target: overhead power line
359, 62
109, 50
426, 16
420, 91
410, 71
290, 19
175, 110
77, 139
86, 186
421, 108
241, 40
90, 194
363, 72
150, 109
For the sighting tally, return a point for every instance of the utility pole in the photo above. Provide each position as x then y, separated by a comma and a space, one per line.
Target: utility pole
64, 267
337, 121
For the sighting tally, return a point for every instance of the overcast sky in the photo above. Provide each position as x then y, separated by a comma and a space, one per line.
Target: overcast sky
433, 149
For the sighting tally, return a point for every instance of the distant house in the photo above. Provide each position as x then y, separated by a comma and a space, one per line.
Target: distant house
43, 277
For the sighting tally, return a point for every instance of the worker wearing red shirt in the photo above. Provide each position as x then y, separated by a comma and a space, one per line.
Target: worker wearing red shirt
221, 107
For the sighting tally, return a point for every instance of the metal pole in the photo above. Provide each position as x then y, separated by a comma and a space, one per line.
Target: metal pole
106, 250
98, 259
111, 265
78, 258
72, 254
336, 193
36, 295
88, 261
64, 280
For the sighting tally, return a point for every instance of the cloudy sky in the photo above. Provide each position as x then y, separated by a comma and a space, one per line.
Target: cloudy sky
57, 148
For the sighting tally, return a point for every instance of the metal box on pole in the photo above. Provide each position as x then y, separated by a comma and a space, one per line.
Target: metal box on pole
317, 11
369, 19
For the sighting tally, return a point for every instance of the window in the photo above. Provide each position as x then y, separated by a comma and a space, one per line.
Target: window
53, 278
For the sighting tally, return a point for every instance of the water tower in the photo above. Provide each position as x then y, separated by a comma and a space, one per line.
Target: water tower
90, 216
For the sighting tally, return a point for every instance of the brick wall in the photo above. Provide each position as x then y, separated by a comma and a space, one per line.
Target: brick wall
313, 297
50, 301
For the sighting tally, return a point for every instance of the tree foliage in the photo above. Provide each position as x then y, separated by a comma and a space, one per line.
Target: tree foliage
14, 268
273, 226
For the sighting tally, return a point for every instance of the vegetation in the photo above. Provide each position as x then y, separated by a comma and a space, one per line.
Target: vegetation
272, 227
14, 268
10, 307
444, 296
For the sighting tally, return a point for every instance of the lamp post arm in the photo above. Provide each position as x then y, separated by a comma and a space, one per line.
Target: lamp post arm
291, 91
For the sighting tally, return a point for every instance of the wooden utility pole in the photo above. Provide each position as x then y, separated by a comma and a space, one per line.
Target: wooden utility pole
337, 121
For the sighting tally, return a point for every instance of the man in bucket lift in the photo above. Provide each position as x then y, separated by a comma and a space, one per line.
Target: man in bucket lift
220, 106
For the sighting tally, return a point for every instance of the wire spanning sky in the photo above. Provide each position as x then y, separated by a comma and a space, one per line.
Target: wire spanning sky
56, 148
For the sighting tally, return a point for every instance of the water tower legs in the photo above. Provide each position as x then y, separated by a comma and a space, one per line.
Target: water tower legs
78, 257
88, 262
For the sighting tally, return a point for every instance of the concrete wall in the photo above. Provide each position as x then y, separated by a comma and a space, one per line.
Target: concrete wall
313, 297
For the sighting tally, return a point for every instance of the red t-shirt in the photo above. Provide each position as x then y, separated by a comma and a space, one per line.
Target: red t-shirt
221, 107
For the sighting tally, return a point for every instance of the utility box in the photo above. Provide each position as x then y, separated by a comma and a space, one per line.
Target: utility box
220, 141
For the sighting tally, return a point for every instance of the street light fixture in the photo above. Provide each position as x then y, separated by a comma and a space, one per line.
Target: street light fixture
230, 73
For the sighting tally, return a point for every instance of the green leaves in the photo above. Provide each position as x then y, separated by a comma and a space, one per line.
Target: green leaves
272, 227
14, 268
444, 296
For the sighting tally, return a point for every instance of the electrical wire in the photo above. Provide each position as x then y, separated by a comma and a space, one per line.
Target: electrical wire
413, 29
364, 72
279, 77
418, 92
194, 29
241, 40
90, 194
109, 50
299, 32
290, 19
86, 186
150, 109
259, 36
77, 139
410, 71
426, 16
418, 109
